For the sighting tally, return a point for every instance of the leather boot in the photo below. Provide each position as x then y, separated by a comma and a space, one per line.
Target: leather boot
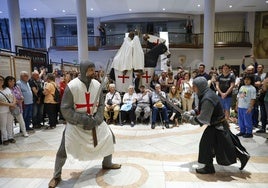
207, 169
243, 158
54, 182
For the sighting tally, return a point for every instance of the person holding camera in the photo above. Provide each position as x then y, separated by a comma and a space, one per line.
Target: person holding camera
112, 104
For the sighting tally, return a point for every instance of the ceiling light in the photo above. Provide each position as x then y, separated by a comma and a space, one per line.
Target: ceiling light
1, 12
163, 9
266, 1
35, 9
198, 5
63, 10
230, 6
91, 9
130, 9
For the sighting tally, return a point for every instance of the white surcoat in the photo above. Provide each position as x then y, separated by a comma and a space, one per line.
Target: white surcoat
79, 142
129, 56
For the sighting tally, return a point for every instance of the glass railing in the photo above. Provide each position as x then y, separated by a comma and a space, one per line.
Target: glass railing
176, 40
227, 38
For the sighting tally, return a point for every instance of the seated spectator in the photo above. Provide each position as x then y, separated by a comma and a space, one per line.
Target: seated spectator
159, 106
174, 97
143, 104
112, 104
154, 81
129, 106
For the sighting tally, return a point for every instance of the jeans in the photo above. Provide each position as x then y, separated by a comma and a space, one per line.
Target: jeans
164, 113
27, 115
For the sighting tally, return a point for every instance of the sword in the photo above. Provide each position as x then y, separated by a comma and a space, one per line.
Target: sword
103, 83
167, 101
107, 70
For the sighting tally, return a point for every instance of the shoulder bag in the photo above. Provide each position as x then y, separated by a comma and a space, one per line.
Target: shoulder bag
13, 110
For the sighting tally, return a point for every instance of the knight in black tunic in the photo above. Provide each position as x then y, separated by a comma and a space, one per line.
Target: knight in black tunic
217, 140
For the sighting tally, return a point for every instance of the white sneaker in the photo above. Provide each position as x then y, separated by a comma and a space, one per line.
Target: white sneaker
25, 135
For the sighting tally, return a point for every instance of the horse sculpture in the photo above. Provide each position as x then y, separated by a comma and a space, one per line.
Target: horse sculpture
151, 57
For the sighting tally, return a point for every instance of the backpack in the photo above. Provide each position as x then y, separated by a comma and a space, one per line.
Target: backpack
56, 95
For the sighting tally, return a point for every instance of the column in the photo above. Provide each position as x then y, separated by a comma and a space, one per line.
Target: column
96, 31
82, 35
250, 22
49, 42
209, 24
14, 23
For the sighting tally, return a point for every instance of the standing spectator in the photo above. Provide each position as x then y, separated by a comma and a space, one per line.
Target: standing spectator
187, 95
28, 99
163, 81
254, 64
7, 100
245, 103
212, 81
264, 105
154, 81
201, 71
36, 85
179, 77
225, 84
170, 81
260, 96
50, 103
10, 82
187, 91
137, 82
188, 27
102, 35
112, 104
260, 72
63, 83
257, 84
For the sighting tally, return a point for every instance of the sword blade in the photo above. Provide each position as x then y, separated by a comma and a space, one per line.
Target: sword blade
103, 83
167, 101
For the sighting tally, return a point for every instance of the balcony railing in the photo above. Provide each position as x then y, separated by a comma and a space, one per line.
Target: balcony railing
176, 40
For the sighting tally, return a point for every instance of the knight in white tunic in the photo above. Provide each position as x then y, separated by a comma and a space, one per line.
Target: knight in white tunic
86, 135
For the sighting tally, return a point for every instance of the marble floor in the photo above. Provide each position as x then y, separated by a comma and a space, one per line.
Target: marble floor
160, 158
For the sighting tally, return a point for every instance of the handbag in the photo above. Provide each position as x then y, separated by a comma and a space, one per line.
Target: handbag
187, 95
13, 110
110, 101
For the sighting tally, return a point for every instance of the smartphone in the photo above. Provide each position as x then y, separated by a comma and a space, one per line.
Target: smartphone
247, 56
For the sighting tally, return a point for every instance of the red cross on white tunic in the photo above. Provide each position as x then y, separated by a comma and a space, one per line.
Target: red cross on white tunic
123, 78
146, 76
87, 105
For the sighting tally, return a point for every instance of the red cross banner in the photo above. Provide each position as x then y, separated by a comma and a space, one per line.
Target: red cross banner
122, 81
147, 75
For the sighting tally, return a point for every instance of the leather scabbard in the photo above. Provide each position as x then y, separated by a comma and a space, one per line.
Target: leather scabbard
94, 135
